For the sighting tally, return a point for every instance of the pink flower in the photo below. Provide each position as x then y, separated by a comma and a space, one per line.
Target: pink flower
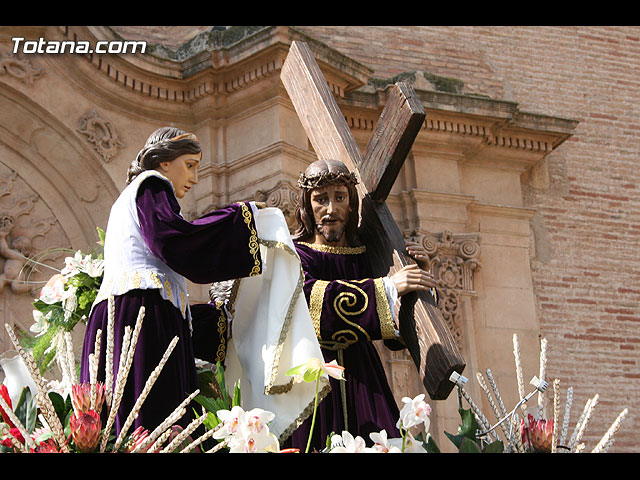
85, 430
538, 434
81, 396
138, 437
47, 446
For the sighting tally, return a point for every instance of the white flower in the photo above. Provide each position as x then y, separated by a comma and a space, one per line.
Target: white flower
78, 263
72, 265
247, 432
69, 303
53, 291
348, 444
41, 324
414, 412
410, 444
382, 444
94, 267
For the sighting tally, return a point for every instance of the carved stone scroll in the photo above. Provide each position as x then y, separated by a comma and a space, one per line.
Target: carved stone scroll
283, 196
101, 134
453, 259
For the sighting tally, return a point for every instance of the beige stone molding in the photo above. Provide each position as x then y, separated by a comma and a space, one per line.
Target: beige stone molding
214, 69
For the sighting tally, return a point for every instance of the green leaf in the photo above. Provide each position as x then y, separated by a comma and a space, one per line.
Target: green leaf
237, 398
494, 447
430, 445
469, 425
26, 409
469, 446
60, 406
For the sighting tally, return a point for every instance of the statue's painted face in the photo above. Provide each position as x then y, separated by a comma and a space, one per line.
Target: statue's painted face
330, 207
183, 172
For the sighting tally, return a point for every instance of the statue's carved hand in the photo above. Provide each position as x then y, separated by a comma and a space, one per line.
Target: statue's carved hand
412, 278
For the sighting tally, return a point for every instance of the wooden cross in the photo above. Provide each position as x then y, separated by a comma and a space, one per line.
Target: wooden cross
422, 327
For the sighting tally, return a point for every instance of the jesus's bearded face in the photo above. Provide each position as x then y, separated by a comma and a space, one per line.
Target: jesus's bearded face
330, 205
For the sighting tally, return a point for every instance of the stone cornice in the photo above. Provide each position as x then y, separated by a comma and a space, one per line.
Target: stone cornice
215, 69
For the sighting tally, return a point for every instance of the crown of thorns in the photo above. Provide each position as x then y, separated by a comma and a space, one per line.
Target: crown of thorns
325, 178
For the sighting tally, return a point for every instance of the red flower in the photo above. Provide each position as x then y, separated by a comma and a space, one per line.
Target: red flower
85, 430
6, 441
47, 446
538, 434
5, 394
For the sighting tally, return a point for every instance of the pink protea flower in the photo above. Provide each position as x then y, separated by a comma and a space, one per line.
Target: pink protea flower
538, 434
85, 430
81, 397
47, 446
138, 436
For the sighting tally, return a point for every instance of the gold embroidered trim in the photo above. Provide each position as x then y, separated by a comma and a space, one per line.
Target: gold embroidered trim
387, 327
145, 279
271, 388
254, 248
306, 413
332, 249
315, 304
222, 328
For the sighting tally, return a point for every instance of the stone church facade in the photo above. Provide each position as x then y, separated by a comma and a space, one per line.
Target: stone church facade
522, 184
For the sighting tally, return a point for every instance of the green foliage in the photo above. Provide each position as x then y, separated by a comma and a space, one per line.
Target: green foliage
465, 439
214, 394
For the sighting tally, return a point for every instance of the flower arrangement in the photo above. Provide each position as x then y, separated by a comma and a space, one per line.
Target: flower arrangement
65, 300
45, 421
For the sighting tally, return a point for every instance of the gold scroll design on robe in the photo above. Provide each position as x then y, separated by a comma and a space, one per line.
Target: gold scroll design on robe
343, 338
254, 247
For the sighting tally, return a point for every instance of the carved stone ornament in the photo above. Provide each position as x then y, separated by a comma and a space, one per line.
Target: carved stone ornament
453, 259
21, 232
283, 196
20, 68
101, 134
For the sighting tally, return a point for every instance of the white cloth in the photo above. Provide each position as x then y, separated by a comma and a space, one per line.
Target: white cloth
272, 331
128, 262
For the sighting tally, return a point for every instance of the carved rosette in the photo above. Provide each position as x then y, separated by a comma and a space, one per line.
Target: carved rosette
453, 259
283, 196
19, 67
100, 134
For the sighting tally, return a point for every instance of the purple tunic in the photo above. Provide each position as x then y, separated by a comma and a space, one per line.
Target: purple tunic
213, 248
348, 307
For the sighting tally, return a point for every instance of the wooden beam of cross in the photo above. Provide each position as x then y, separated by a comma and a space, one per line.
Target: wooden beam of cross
423, 329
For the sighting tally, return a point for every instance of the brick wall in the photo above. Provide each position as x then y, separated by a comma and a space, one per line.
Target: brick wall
586, 269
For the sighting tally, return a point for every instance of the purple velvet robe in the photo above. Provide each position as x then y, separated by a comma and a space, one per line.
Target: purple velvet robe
212, 248
348, 305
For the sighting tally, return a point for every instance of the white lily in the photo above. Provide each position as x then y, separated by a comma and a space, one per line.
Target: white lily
247, 432
41, 322
72, 265
382, 444
53, 291
408, 444
414, 412
347, 443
